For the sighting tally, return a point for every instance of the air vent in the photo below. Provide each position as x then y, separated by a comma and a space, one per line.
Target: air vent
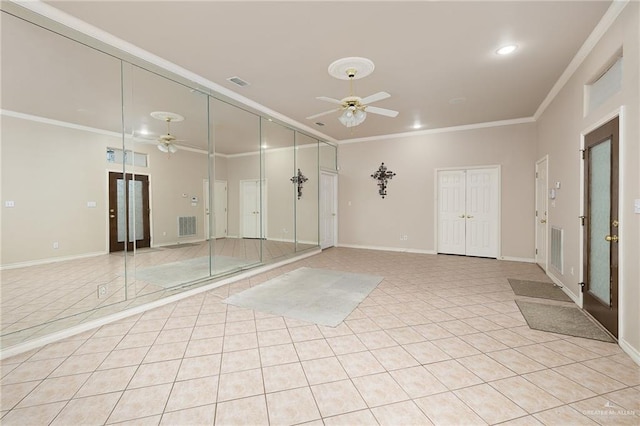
237, 80
556, 248
186, 226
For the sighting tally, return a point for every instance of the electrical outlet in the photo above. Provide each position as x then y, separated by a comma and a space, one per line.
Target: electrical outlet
102, 290
56, 246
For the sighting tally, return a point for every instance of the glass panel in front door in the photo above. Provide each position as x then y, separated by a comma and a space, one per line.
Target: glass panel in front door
136, 224
599, 221
121, 210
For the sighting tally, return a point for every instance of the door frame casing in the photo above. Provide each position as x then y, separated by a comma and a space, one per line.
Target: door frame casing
498, 168
622, 217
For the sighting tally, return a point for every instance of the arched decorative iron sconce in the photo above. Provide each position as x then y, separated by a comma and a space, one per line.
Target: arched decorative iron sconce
299, 179
382, 175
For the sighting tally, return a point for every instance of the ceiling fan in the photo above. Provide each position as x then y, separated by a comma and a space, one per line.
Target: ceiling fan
354, 108
166, 142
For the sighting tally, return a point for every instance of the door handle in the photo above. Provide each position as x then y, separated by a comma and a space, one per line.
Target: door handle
469, 217
543, 220
611, 238
461, 216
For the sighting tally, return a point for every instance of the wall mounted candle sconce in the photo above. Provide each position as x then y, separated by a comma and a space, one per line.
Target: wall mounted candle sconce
382, 175
299, 179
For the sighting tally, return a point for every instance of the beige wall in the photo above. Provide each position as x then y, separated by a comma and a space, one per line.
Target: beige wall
560, 128
51, 172
366, 219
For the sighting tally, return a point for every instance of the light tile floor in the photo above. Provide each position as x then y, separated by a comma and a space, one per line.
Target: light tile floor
67, 290
439, 341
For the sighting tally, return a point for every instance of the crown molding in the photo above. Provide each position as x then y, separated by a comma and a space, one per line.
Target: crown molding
603, 26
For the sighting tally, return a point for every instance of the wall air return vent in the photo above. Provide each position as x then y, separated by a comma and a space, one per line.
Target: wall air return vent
238, 81
186, 226
556, 248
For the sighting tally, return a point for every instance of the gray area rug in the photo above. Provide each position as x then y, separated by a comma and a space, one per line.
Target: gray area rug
538, 289
568, 320
176, 273
319, 296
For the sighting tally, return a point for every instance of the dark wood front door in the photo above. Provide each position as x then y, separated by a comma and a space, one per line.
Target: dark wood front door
128, 211
601, 225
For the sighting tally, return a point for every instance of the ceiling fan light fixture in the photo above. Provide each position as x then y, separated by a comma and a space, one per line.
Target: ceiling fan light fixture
351, 119
163, 147
172, 148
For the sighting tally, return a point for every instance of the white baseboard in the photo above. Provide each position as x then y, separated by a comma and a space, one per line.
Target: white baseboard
177, 243
381, 248
518, 259
57, 336
51, 260
630, 350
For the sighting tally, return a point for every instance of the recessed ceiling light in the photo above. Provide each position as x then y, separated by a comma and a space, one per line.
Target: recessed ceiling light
506, 50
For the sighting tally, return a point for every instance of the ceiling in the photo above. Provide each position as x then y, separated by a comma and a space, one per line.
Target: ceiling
437, 59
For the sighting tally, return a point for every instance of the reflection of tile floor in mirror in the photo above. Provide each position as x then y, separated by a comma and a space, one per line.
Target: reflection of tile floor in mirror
34, 295
439, 341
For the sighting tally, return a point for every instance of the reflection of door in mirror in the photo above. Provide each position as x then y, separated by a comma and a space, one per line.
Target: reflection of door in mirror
250, 209
220, 208
328, 203
128, 211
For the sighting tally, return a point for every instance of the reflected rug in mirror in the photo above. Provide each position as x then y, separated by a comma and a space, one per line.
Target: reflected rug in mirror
538, 289
562, 319
181, 272
319, 296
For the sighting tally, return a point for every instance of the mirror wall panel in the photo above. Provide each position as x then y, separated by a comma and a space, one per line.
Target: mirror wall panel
61, 110
166, 174
278, 197
307, 230
106, 206
235, 194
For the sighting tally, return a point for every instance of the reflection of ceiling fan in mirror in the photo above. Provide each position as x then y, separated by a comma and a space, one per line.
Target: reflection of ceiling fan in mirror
166, 143
354, 109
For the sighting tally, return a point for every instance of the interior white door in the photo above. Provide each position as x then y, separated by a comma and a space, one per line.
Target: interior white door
468, 212
251, 203
451, 212
328, 218
220, 208
206, 191
481, 212
542, 167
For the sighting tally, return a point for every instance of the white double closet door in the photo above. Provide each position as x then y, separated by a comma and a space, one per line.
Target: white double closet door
468, 212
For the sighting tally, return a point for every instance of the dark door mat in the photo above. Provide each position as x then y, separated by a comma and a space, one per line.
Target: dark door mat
568, 320
538, 289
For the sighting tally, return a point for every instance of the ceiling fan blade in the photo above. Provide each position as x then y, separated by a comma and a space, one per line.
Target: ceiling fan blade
326, 99
375, 98
311, 117
382, 111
